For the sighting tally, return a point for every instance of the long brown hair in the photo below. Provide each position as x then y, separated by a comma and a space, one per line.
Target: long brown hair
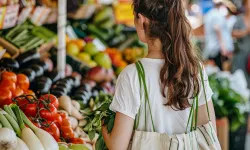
180, 73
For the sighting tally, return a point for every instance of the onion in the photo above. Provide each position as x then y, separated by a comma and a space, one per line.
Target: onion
21, 145
8, 139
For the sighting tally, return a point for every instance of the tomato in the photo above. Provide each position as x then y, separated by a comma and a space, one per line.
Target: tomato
8, 85
17, 92
67, 132
57, 120
53, 130
30, 110
23, 82
66, 122
49, 112
5, 97
37, 124
63, 115
29, 92
22, 103
11, 76
50, 99
77, 141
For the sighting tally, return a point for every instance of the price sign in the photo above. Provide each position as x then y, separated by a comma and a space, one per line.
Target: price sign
40, 14
8, 16
124, 12
24, 14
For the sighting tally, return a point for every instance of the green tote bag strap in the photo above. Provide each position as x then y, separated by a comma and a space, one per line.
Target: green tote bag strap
143, 86
193, 115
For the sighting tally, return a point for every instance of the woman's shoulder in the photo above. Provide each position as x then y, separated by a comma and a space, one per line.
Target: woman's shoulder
128, 72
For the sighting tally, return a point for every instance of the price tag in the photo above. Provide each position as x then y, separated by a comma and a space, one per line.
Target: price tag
2, 14
40, 14
24, 14
124, 12
10, 17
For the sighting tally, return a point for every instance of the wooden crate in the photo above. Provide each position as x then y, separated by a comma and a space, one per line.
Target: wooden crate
10, 48
223, 132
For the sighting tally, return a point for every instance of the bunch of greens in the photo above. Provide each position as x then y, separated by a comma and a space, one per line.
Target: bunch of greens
227, 102
95, 118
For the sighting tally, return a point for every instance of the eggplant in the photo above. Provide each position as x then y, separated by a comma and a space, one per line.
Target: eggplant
42, 88
61, 85
95, 93
26, 57
9, 63
44, 66
29, 73
44, 79
82, 98
38, 70
63, 89
57, 93
54, 76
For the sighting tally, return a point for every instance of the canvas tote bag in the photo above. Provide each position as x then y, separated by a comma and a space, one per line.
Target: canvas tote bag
197, 138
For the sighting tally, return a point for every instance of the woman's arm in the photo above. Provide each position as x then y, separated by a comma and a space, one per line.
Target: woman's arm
203, 116
239, 33
121, 134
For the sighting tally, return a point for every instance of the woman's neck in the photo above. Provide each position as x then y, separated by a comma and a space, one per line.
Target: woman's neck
155, 50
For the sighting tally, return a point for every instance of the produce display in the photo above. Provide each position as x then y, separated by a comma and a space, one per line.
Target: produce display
8, 2
28, 36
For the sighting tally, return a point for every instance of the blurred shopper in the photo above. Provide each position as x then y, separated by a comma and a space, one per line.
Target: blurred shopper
218, 39
241, 31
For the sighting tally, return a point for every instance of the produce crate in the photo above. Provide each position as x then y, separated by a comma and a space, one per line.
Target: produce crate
223, 132
11, 49
84, 12
14, 51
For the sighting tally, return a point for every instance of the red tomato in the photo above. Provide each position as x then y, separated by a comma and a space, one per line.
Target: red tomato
30, 110
53, 130
50, 99
5, 97
23, 82
67, 132
8, 85
49, 112
37, 124
22, 103
63, 115
11, 76
29, 92
17, 92
66, 122
57, 120
77, 141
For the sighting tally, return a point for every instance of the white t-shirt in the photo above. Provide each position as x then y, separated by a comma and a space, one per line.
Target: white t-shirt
127, 99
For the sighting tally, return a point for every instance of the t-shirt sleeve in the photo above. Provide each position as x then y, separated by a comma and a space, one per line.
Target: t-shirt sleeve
126, 99
205, 93
239, 25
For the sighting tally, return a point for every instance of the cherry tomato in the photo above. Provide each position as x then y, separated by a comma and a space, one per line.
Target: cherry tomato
11, 76
53, 130
22, 103
50, 99
30, 110
8, 85
77, 141
23, 82
63, 115
29, 92
48, 112
67, 132
57, 120
37, 124
17, 92
66, 122
5, 97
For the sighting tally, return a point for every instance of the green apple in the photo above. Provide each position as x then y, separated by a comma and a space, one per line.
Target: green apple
103, 60
78, 147
91, 49
85, 57
73, 49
